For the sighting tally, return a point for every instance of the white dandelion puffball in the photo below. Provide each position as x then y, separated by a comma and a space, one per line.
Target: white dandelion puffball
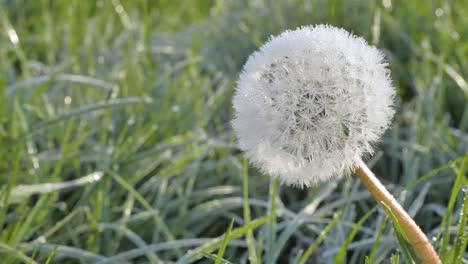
310, 103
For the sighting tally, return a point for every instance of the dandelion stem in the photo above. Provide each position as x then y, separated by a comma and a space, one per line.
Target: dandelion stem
412, 231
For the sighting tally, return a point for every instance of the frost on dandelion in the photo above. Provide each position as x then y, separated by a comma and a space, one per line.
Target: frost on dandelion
310, 103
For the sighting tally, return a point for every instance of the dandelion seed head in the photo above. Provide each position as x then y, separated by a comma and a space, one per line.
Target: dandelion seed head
310, 103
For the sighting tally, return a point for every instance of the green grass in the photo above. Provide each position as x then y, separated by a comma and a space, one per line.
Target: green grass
140, 91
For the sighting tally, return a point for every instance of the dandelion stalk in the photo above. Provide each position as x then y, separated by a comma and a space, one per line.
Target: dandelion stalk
309, 103
412, 231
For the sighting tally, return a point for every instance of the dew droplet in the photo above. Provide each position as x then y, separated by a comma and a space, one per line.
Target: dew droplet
131, 121
439, 12
41, 239
175, 108
67, 100
465, 188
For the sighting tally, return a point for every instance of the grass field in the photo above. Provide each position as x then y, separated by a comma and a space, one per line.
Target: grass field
116, 146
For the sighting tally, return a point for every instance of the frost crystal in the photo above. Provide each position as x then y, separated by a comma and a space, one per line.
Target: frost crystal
311, 102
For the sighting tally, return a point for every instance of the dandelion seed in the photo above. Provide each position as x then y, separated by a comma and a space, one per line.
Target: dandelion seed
310, 103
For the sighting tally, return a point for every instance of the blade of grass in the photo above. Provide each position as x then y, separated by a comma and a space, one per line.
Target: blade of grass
131, 236
377, 238
164, 228
17, 254
462, 235
260, 247
213, 257
81, 111
34, 253
299, 219
408, 251
21, 192
60, 224
73, 78
319, 240
395, 259
208, 245
249, 235
272, 222
446, 220
224, 243
125, 256
51, 255
94, 107
432, 173
214, 243
24, 228
64, 251
342, 253
6, 194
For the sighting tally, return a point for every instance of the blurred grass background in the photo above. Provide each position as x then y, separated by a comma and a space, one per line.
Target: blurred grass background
116, 147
